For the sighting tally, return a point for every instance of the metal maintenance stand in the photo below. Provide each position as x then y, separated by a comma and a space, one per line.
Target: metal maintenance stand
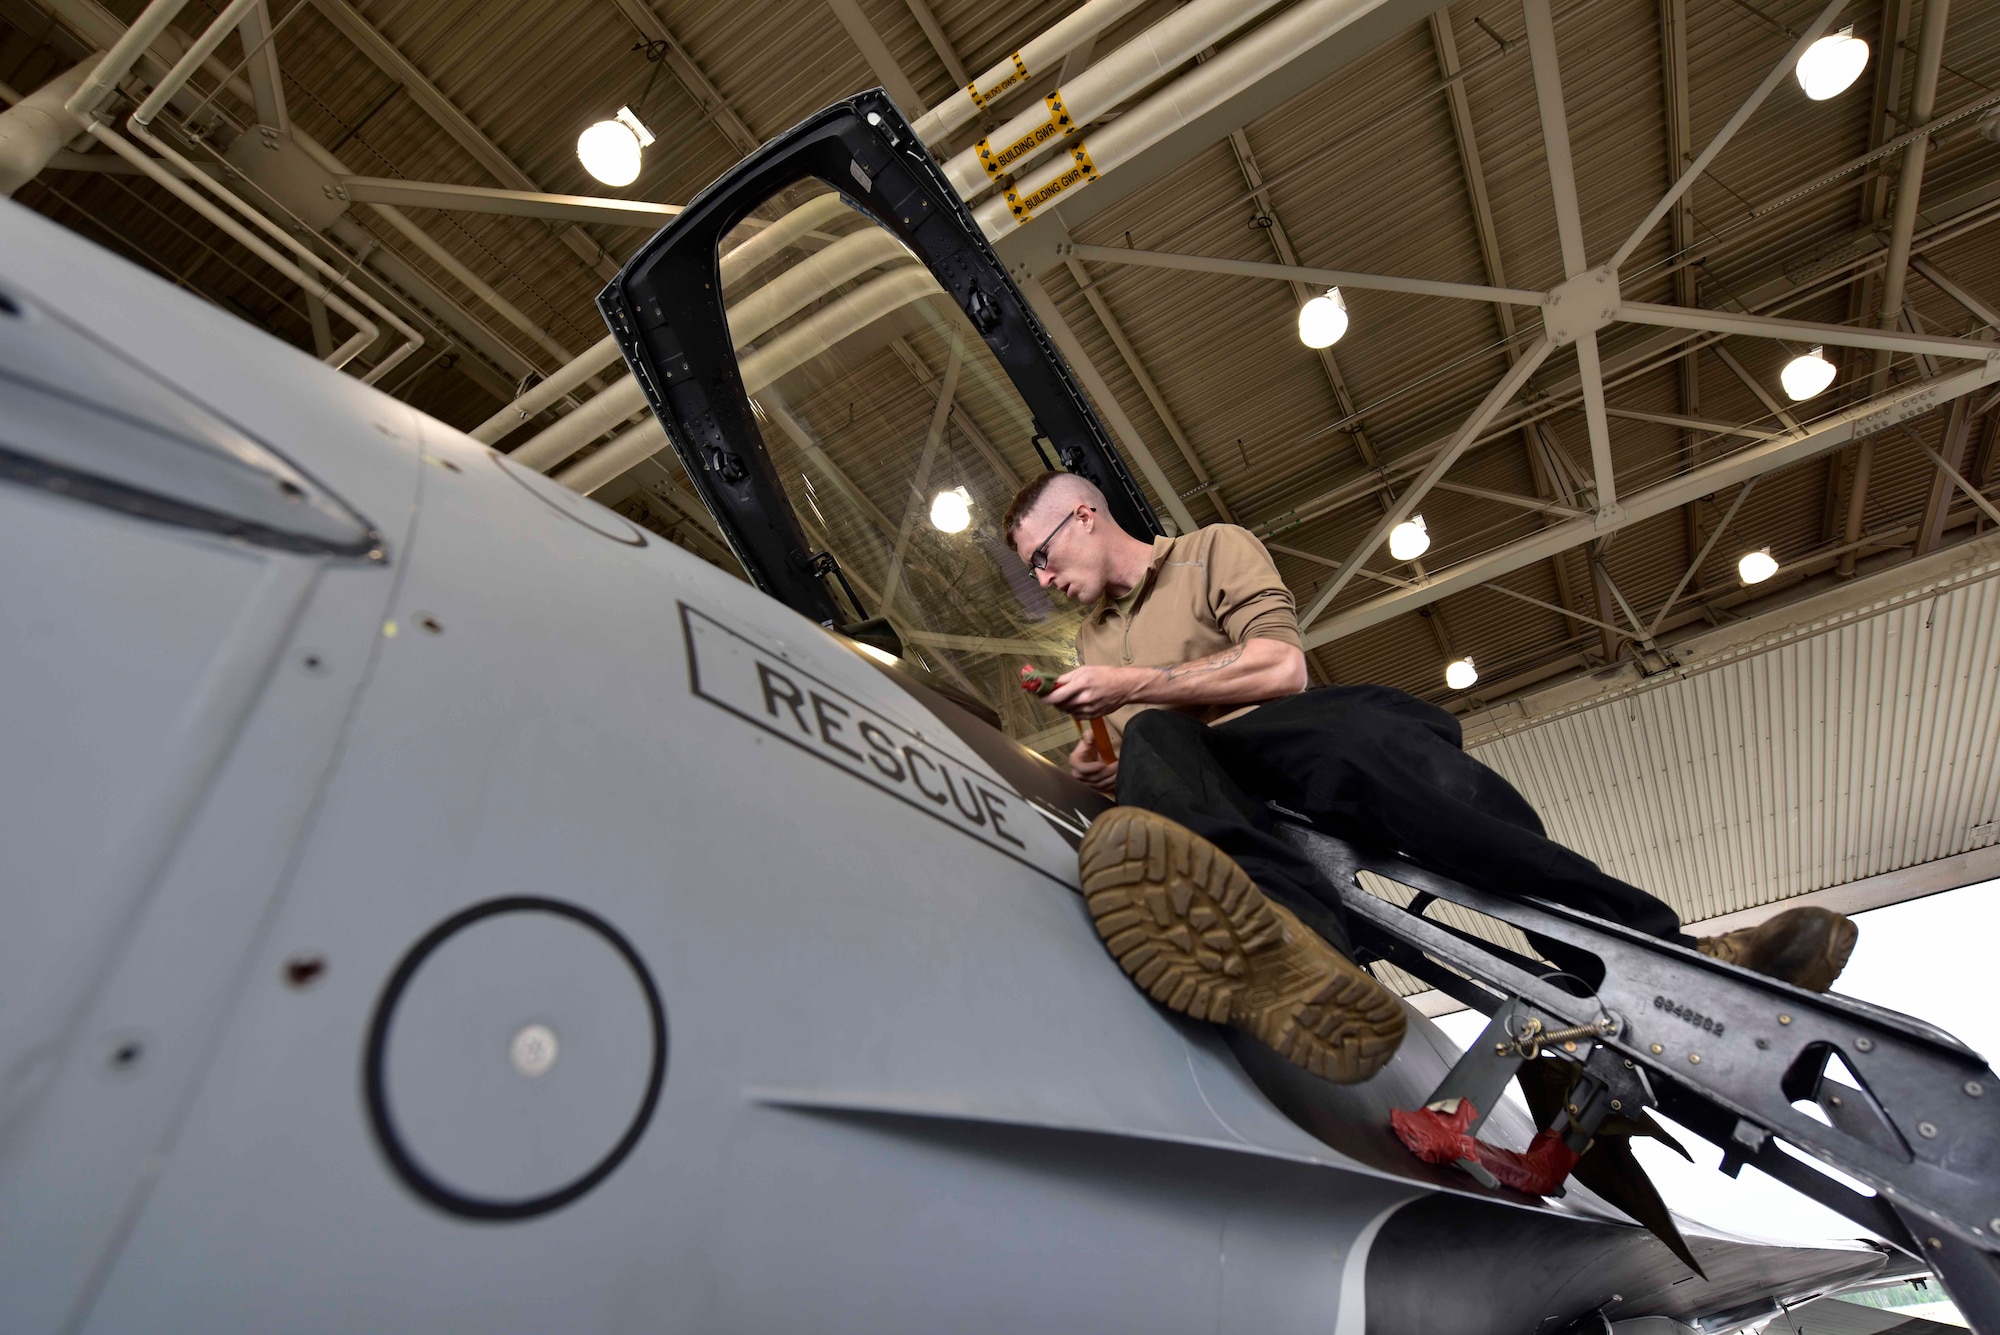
1727, 1053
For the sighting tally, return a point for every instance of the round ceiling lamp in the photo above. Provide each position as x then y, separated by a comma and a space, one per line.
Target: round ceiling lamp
1756, 567
1409, 539
951, 511
1323, 320
1807, 374
1832, 64
1459, 674
610, 150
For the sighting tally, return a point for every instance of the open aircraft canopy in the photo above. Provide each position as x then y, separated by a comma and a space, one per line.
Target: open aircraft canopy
748, 322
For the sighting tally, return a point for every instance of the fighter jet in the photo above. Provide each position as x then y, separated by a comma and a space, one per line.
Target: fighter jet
433, 900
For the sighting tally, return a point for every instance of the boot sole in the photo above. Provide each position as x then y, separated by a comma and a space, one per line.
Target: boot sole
1197, 935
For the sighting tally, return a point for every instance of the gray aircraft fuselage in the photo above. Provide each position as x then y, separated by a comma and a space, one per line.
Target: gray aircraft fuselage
442, 904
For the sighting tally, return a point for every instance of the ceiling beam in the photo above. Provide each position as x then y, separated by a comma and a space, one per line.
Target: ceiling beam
690, 76
934, 34
1137, 369
267, 87
1293, 272
1107, 403
1902, 230
1496, 399
1030, 249
513, 203
1829, 433
1569, 232
1459, 107
880, 59
1303, 289
440, 108
1680, 226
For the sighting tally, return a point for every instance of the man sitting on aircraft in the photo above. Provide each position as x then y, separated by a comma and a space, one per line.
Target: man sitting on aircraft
1191, 652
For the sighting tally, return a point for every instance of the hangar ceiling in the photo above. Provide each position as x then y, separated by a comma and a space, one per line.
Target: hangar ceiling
427, 152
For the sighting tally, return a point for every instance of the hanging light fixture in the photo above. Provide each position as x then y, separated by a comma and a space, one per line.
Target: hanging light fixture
1832, 64
610, 150
1807, 374
1756, 567
1323, 320
1459, 674
1409, 539
951, 511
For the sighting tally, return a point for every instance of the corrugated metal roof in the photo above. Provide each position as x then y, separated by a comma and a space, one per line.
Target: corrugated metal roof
1364, 172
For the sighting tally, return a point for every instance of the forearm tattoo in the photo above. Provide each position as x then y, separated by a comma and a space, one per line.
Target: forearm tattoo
1213, 663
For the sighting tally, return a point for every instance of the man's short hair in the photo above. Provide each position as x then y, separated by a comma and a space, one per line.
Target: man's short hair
1037, 489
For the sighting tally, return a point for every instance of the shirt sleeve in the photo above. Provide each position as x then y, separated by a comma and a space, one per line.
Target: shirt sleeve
1245, 595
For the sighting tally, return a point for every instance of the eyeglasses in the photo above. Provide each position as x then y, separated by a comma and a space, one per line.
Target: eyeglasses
1039, 558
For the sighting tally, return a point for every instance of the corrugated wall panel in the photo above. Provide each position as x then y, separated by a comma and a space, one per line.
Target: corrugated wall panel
1846, 750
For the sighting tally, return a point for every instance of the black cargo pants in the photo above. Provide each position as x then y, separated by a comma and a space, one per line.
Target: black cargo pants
1378, 766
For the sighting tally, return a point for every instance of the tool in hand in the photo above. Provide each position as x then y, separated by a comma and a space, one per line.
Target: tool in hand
1036, 682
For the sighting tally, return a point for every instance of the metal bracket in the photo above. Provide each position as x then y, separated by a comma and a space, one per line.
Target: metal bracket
1728, 1052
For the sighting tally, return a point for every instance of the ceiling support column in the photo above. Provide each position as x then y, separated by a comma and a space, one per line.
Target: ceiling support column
1532, 442
1923, 102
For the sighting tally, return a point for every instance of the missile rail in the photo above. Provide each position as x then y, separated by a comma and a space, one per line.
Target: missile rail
1747, 1062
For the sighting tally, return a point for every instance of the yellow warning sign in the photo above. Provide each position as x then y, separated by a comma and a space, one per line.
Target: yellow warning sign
1079, 170
1059, 125
1020, 75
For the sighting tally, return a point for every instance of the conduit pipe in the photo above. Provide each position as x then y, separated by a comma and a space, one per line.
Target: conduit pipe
98, 24
811, 337
365, 330
120, 59
765, 245
1022, 67
140, 124
1188, 98
1039, 54
545, 450
1909, 185
816, 275
34, 130
605, 410
756, 315
1112, 80
546, 393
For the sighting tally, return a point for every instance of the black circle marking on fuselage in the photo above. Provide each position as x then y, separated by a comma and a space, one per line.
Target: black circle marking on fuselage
375, 1061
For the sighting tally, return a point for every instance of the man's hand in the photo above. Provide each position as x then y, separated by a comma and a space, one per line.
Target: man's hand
1093, 692
1099, 774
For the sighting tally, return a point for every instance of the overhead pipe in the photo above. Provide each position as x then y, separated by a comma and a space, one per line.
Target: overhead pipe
609, 408
1112, 80
123, 55
766, 244
818, 274
745, 257
36, 127
1181, 102
548, 392
811, 337
97, 24
756, 315
1035, 58
140, 125
1909, 184
365, 330
561, 440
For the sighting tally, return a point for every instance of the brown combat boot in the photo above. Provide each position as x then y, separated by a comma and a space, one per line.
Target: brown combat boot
1198, 936
1806, 947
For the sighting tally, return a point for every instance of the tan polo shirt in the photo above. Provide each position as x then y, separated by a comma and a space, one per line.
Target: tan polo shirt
1203, 592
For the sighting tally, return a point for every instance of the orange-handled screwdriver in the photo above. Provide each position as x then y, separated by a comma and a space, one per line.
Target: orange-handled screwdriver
1036, 682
